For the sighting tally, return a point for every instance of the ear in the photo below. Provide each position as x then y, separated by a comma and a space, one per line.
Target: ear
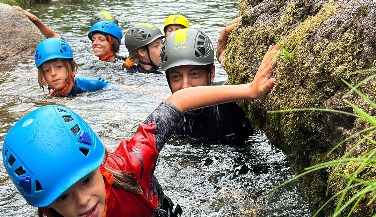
212, 70
141, 52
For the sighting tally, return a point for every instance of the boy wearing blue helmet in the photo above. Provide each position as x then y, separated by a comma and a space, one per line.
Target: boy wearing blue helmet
73, 175
56, 70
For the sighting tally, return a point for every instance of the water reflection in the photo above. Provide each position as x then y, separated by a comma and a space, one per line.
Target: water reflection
206, 180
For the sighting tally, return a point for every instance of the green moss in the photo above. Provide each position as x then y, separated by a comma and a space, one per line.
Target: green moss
324, 53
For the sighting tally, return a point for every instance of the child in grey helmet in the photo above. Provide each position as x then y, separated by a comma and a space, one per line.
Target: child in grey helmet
188, 60
144, 44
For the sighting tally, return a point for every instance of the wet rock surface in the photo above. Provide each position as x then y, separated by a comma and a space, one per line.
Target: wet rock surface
323, 43
18, 37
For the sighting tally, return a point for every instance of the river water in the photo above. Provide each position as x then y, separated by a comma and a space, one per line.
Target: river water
206, 180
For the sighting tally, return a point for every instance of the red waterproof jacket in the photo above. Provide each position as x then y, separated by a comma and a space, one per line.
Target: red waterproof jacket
138, 156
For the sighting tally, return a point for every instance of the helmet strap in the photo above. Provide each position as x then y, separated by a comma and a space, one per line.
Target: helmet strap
110, 53
109, 180
153, 66
69, 82
208, 70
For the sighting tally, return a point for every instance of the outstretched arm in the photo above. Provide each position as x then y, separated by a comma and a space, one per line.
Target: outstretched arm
222, 40
44, 29
203, 96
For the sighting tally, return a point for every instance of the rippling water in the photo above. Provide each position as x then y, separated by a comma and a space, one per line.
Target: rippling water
206, 180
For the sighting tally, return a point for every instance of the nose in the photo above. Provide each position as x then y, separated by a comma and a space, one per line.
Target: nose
93, 41
53, 72
82, 198
185, 82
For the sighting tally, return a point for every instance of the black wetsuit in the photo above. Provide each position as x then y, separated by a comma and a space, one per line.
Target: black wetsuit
225, 123
139, 69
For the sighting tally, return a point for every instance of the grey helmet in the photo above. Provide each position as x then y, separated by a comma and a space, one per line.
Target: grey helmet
140, 35
186, 47
102, 16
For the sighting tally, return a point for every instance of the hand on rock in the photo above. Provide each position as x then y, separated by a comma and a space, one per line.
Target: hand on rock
222, 40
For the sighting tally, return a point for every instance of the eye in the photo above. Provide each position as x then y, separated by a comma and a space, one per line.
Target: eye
88, 180
175, 77
62, 198
195, 74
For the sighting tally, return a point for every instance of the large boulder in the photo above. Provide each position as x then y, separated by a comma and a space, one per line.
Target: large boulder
327, 41
18, 36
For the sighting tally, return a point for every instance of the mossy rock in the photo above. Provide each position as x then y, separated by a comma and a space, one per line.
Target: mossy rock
326, 41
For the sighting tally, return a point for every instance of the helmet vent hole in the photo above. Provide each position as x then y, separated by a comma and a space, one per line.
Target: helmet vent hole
67, 118
20, 171
6, 151
202, 50
61, 110
38, 186
11, 160
84, 151
75, 129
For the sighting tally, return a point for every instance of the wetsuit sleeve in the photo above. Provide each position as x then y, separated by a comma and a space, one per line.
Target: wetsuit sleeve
167, 119
91, 84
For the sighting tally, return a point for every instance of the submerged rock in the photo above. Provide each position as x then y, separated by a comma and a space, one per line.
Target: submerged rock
324, 42
18, 36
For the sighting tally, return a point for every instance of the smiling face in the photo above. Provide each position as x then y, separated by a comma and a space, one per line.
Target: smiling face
100, 45
181, 77
55, 74
86, 198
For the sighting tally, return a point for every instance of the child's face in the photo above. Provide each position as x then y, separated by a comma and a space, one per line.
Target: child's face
155, 51
188, 76
171, 28
86, 198
55, 74
100, 45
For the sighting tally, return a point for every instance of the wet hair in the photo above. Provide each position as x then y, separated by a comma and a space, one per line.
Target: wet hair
69, 64
122, 180
132, 58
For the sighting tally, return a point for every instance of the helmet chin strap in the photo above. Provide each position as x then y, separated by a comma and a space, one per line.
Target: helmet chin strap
153, 66
69, 82
109, 54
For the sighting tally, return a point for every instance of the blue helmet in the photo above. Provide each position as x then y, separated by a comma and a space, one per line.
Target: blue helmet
49, 150
106, 27
52, 48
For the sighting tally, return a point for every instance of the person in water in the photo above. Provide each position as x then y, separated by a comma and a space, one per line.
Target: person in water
188, 60
174, 22
144, 44
105, 37
74, 175
109, 47
56, 70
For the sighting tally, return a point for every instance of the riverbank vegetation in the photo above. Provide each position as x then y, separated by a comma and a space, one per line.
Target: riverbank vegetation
356, 169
